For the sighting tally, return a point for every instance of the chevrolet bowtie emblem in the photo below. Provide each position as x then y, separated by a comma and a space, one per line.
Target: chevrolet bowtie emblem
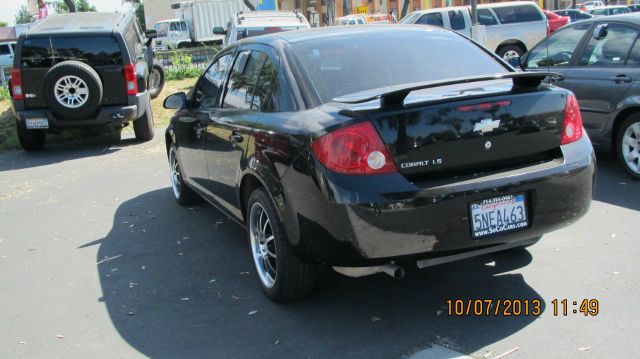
486, 125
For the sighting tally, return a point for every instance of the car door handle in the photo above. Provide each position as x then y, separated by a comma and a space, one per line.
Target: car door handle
235, 138
622, 78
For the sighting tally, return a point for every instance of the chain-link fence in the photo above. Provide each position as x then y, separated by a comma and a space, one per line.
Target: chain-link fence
173, 59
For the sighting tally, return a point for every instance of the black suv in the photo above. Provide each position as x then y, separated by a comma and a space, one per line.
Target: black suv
78, 70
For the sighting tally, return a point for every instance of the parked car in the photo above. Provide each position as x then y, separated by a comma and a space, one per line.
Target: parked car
634, 8
256, 23
351, 20
599, 60
194, 23
80, 70
511, 27
444, 156
556, 21
575, 15
7, 49
609, 10
590, 5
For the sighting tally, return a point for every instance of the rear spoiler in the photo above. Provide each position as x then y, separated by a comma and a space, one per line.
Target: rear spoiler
395, 95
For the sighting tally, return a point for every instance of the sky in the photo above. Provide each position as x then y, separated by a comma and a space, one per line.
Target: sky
10, 7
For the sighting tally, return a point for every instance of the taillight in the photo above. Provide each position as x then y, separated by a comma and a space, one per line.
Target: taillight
131, 80
354, 150
16, 84
483, 106
572, 126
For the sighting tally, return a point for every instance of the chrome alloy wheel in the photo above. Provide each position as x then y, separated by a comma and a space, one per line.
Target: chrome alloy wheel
263, 244
154, 79
631, 147
71, 91
176, 176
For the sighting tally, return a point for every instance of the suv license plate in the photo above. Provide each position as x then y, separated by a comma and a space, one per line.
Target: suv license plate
37, 123
498, 214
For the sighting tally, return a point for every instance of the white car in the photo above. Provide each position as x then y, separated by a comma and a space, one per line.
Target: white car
254, 23
591, 5
511, 28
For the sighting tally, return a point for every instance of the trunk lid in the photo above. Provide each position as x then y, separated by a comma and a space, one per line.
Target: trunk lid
463, 129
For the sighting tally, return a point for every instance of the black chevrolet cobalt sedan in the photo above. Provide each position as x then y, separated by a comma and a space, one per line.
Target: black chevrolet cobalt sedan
371, 148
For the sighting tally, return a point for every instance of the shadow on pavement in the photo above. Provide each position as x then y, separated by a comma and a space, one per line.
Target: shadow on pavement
614, 186
94, 146
175, 284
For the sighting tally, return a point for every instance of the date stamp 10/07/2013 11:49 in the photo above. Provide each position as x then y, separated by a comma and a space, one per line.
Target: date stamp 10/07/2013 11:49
520, 307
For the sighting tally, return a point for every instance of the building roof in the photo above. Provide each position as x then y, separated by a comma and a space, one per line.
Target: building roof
86, 22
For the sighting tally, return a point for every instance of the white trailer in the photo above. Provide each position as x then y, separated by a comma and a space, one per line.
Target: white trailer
194, 23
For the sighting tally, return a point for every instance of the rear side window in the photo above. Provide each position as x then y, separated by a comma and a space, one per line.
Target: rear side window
265, 98
514, 14
485, 17
243, 80
434, 19
95, 50
36, 53
133, 41
456, 19
4, 50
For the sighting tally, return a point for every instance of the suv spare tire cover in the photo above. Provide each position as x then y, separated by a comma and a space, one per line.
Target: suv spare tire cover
72, 89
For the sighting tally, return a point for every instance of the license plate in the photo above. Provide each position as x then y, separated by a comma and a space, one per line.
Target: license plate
37, 123
498, 214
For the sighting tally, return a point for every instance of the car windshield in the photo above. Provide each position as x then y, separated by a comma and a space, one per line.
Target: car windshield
351, 62
162, 28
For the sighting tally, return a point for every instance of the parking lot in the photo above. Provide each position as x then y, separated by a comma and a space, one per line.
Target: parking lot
97, 260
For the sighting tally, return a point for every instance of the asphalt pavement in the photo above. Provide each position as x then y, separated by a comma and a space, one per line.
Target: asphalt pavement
97, 260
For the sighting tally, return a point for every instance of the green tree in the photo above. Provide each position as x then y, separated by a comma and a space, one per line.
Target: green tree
138, 9
74, 6
23, 16
3, 24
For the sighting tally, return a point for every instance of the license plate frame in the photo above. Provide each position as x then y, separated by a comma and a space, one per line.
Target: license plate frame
497, 215
37, 123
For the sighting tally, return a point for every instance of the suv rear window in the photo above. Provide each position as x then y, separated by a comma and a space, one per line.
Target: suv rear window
94, 51
514, 14
342, 65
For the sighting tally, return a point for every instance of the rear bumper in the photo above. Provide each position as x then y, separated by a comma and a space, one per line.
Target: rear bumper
356, 221
135, 108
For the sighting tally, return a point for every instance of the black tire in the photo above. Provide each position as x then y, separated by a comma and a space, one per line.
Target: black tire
89, 80
154, 90
143, 126
183, 194
625, 151
30, 140
506, 49
294, 278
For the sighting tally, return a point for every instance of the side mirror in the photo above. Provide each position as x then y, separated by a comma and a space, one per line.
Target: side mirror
218, 30
600, 32
151, 34
176, 101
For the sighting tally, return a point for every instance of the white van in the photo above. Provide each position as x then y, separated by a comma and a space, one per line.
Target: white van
511, 28
254, 23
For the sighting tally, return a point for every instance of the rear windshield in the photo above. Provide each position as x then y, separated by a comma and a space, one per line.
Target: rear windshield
350, 63
243, 33
46, 52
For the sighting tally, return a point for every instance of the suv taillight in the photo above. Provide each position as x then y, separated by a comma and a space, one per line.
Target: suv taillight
572, 126
354, 150
16, 84
131, 80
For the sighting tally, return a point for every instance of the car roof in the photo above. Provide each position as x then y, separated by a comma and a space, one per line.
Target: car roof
317, 33
78, 23
631, 17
